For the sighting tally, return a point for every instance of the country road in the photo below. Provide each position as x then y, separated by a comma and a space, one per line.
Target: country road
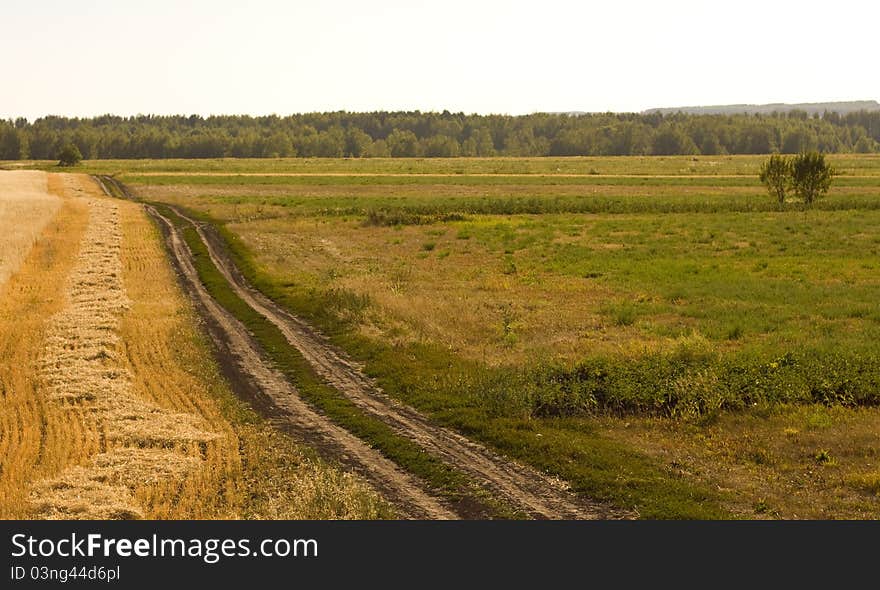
530, 492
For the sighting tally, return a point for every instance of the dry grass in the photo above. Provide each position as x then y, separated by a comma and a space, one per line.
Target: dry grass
113, 406
185, 194
810, 462
459, 294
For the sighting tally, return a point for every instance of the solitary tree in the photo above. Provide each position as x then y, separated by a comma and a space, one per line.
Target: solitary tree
775, 173
69, 155
810, 176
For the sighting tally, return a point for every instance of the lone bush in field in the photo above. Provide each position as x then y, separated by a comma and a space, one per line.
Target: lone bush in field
775, 174
810, 176
69, 155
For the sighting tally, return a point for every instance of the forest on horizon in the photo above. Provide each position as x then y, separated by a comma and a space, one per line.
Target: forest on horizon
433, 134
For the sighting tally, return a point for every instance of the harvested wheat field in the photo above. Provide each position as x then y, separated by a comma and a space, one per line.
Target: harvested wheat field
112, 405
25, 208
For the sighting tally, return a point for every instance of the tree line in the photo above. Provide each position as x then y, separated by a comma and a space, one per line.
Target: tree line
431, 134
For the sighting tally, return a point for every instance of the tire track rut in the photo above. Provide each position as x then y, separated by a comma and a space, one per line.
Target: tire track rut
273, 394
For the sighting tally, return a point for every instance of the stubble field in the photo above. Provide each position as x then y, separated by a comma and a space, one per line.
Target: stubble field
112, 404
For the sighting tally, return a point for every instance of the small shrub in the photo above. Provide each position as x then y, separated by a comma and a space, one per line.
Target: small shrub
69, 155
698, 394
807, 174
811, 176
399, 279
693, 350
508, 318
775, 174
391, 218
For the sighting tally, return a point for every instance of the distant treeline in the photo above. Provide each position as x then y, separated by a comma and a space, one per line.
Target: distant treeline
417, 134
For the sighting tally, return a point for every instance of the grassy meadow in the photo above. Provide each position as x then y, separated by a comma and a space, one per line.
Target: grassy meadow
652, 330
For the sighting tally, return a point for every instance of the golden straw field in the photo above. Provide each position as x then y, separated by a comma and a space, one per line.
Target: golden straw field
26, 207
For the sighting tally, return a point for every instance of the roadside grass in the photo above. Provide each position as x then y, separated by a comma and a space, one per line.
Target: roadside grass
280, 479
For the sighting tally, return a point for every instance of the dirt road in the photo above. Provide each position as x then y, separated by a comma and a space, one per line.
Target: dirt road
275, 396
534, 493
524, 488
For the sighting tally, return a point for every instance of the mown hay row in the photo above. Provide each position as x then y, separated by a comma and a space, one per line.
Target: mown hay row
84, 371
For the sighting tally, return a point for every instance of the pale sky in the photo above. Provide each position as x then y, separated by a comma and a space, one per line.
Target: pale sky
90, 57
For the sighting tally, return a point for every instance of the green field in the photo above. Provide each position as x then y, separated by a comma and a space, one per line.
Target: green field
652, 330
846, 164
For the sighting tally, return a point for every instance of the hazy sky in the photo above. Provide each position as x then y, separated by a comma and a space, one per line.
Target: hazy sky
90, 57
